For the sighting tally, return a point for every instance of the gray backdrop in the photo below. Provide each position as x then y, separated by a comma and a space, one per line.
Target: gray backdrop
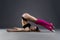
11, 11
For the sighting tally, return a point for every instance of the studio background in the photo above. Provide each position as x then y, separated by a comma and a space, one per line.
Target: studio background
11, 11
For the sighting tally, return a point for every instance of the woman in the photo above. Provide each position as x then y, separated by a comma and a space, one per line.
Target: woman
27, 17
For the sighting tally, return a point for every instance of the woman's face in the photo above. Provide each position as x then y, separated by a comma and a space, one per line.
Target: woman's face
33, 28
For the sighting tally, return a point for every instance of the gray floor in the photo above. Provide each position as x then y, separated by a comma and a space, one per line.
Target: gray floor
44, 35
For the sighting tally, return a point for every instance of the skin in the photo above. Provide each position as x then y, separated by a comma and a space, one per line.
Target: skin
18, 30
29, 17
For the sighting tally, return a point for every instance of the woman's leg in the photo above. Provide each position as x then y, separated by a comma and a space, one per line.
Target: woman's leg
42, 22
29, 17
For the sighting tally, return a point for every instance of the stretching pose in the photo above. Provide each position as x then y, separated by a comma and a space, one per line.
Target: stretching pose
27, 16
27, 26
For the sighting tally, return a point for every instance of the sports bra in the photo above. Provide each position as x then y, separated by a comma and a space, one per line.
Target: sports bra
27, 25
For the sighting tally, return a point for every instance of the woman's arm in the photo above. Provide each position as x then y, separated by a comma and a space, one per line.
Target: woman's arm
19, 30
22, 22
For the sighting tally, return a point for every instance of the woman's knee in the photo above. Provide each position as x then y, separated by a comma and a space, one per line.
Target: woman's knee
25, 15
